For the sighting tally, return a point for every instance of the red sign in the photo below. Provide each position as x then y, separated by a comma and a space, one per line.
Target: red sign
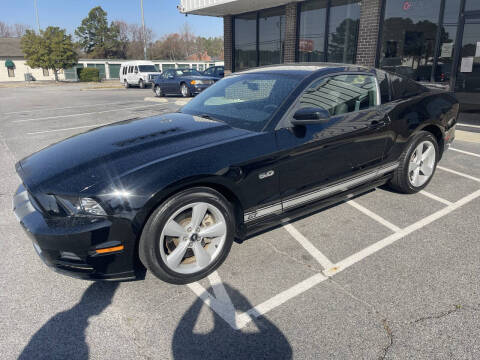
305, 45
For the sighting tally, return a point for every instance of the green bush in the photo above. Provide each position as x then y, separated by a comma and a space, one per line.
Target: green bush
89, 74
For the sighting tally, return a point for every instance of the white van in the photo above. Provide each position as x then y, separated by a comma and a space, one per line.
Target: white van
138, 73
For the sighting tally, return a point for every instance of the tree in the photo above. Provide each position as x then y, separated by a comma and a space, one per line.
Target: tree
15, 30
96, 38
131, 37
51, 49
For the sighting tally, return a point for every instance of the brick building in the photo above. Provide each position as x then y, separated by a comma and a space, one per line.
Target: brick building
427, 40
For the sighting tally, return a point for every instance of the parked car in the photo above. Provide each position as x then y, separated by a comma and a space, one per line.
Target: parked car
171, 192
138, 73
185, 82
215, 71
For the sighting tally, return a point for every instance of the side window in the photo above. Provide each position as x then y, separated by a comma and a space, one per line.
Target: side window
341, 94
130, 69
404, 88
209, 71
136, 69
384, 86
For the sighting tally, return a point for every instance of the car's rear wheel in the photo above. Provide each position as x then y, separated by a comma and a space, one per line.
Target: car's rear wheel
188, 236
158, 91
125, 83
417, 164
185, 90
141, 84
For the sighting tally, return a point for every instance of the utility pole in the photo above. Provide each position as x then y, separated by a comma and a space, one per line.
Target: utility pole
36, 15
144, 34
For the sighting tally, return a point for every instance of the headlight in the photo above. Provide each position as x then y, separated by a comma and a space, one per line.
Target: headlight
90, 206
81, 206
197, 82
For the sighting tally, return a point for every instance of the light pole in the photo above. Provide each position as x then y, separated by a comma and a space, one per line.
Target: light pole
144, 35
36, 15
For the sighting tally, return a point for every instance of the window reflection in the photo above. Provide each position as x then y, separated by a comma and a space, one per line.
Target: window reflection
312, 31
271, 36
245, 41
409, 34
342, 35
343, 30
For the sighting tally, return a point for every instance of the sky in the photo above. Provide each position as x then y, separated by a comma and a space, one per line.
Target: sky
161, 16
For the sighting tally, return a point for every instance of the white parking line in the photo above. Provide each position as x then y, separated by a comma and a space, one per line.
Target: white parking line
65, 129
374, 216
468, 125
279, 299
71, 107
435, 197
83, 114
322, 259
372, 249
464, 152
458, 173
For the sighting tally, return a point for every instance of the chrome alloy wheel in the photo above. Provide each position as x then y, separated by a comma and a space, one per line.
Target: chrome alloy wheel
158, 91
422, 163
193, 237
184, 90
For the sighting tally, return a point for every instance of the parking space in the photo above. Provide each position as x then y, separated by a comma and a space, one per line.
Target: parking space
383, 275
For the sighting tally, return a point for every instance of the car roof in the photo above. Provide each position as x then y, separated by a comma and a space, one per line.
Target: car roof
305, 69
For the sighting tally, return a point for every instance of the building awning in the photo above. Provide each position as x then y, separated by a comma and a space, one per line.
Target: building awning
226, 7
9, 63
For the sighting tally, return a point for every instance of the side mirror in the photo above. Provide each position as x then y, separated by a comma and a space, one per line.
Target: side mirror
170, 76
310, 115
136, 71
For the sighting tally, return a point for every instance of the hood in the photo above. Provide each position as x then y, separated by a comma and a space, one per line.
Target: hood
107, 152
200, 77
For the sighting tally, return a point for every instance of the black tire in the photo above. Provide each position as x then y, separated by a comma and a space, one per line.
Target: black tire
126, 84
185, 93
401, 178
149, 245
158, 91
141, 84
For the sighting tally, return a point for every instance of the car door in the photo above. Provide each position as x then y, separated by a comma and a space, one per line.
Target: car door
166, 81
350, 144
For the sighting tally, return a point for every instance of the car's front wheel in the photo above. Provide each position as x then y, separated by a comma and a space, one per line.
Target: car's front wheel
417, 164
188, 236
185, 90
141, 84
158, 91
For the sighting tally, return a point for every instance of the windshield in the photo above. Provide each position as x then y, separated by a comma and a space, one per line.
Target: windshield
186, 72
246, 101
147, 68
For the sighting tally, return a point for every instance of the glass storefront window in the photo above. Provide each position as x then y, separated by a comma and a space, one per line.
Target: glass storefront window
343, 30
312, 31
452, 10
445, 53
271, 36
471, 5
408, 37
343, 18
245, 41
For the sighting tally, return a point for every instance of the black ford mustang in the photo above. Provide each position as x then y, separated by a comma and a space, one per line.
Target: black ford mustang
170, 193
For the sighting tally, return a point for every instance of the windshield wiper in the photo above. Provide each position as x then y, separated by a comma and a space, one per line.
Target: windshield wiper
209, 117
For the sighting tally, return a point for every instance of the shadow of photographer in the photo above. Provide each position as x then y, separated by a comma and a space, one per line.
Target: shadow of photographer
223, 342
63, 336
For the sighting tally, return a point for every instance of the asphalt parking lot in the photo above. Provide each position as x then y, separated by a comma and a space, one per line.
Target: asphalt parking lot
383, 276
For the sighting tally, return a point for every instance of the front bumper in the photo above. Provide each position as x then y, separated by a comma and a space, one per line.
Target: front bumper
68, 244
197, 89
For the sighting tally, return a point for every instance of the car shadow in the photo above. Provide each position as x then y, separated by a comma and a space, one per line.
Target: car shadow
223, 342
63, 336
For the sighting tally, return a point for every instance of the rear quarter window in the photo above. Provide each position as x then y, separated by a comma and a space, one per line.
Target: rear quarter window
403, 88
